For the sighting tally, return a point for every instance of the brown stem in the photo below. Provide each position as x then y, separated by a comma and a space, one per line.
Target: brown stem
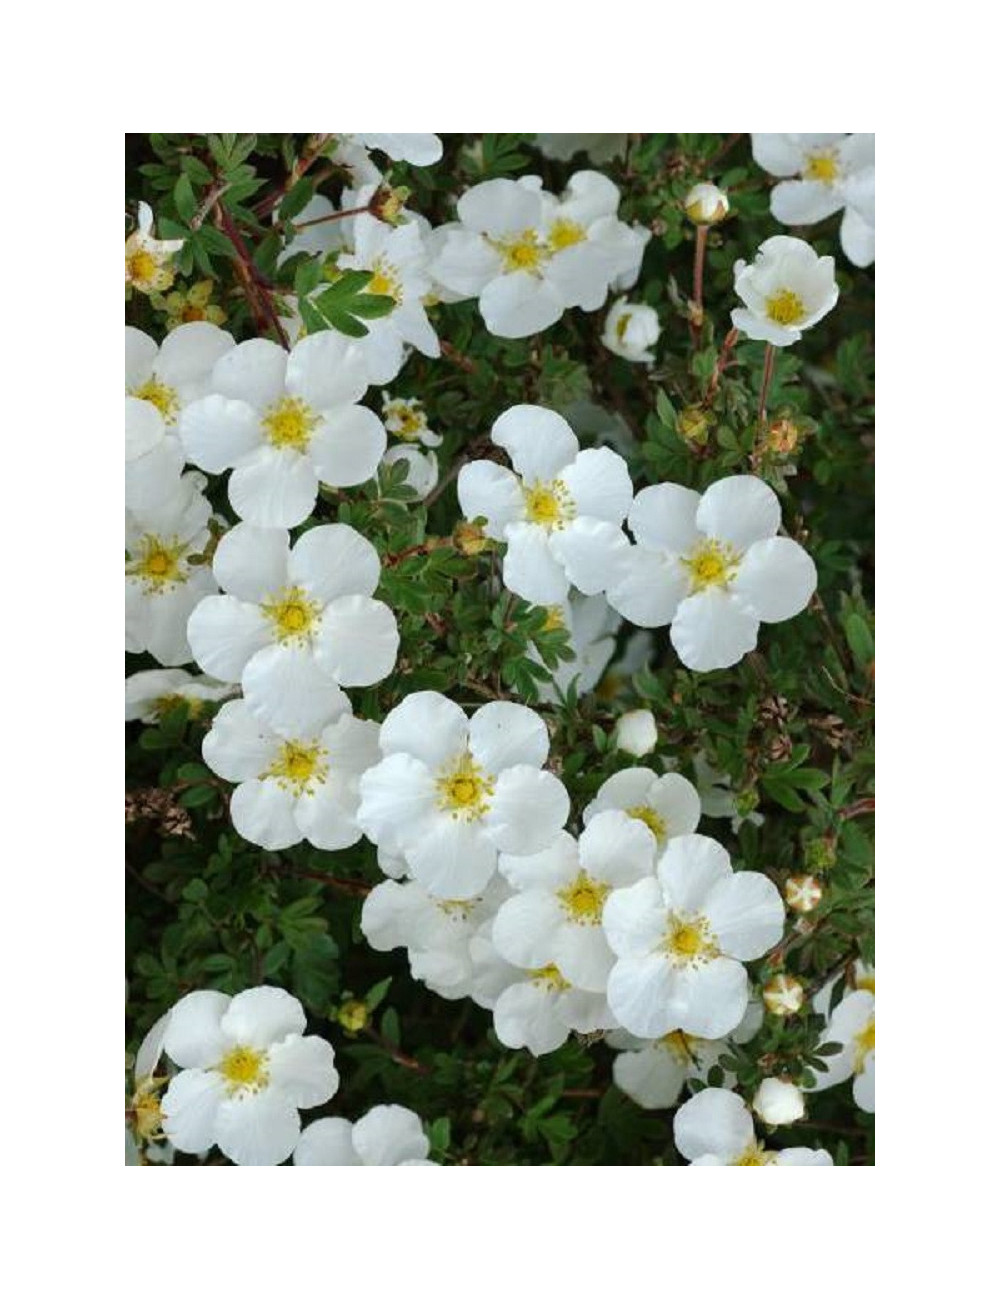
765, 385
299, 169
723, 360
216, 191
700, 243
256, 288
407, 1062
332, 216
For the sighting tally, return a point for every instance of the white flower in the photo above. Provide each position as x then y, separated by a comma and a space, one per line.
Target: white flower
715, 1128
421, 468
529, 256
295, 783
149, 261
668, 804
786, 289
834, 171
398, 261
592, 625
778, 1101
555, 917
149, 694
295, 625
285, 422
540, 1010
852, 1024
654, 1073
706, 204
436, 932
153, 459
600, 148
387, 1135
406, 418
631, 330
635, 732
162, 586
453, 792
712, 567
560, 512
412, 147
682, 937
246, 1071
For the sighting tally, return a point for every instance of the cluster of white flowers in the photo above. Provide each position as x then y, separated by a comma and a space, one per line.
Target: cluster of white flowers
242, 1069
712, 566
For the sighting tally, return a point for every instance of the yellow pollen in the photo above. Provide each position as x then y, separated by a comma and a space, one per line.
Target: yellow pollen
385, 280
785, 307
712, 564
755, 1155
583, 899
299, 767
823, 167
679, 1045
464, 789
292, 615
162, 396
147, 1117
548, 504
521, 252
690, 941
457, 909
554, 619
142, 266
290, 423
157, 562
622, 325
191, 312
244, 1070
864, 1042
407, 421
550, 977
642, 812
564, 233
866, 982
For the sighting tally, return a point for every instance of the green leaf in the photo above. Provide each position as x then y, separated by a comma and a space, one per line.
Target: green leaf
184, 199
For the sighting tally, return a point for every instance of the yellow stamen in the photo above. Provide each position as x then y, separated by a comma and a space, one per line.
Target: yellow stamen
755, 1155
711, 564
679, 1045
292, 615
456, 909
290, 423
299, 767
386, 280
158, 562
521, 252
550, 977
548, 504
162, 396
464, 789
555, 619
689, 941
244, 1070
147, 1117
824, 167
864, 1042
785, 307
583, 899
649, 817
564, 233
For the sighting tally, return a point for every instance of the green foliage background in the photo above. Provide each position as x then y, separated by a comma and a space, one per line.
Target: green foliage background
792, 725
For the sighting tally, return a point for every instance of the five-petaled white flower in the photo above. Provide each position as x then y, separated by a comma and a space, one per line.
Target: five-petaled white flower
681, 939
150, 694
246, 1071
541, 1008
833, 172
712, 567
295, 783
786, 289
668, 805
149, 261
387, 1135
716, 1128
295, 624
452, 792
560, 511
284, 423
852, 1024
406, 418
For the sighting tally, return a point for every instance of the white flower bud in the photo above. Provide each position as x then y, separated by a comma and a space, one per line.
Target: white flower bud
635, 732
630, 330
706, 204
777, 1101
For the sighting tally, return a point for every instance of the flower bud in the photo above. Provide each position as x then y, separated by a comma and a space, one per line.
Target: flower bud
630, 330
352, 1015
635, 732
821, 854
777, 1101
706, 204
783, 436
387, 203
469, 538
803, 893
784, 995
694, 424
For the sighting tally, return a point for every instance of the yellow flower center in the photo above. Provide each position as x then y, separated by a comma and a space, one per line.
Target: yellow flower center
386, 280
583, 899
564, 233
755, 1155
405, 421
299, 767
548, 504
353, 1015
191, 312
464, 789
555, 619
824, 167
642, 812
292, 615
165, 703
147, 1117
689, 941
521, 252
864, 1042
679, 1045
550, 977
244, 1070
711, 564
785, 307
162, 396
456, 909
290, 423
142, 266
158, 563
622, 325
866, 982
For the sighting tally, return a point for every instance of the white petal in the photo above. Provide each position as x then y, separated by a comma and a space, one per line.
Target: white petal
217, 431
647, 587
857, 238
803, 203
262, 1016
140, 353
530, 569
263, 813
398, 797
546, 870
225, 634
253, 371
357, 640
194, 1036
663, 518
289, 691
500, 207
303, 1069
452, 858
189, 353
713, 629
238, 747
780, 154
427, 725
190, 1108
334, 560
491, 492
259, 1129
524, 1016
746, 914
690, 869
539, 442
653, 1078
639, 994
617, 849
525, 928
327, 1142
583, 956
502, 735
635, 918
714, 1122
273, 488
623, 790
252, 563
710, 1001
326, 370
143, 427
327, 817
776, 579
740, 510
527, 811
347, 446
390, 1135
599, 483
592, 553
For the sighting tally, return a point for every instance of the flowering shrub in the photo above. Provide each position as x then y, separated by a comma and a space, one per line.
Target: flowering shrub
499, 685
